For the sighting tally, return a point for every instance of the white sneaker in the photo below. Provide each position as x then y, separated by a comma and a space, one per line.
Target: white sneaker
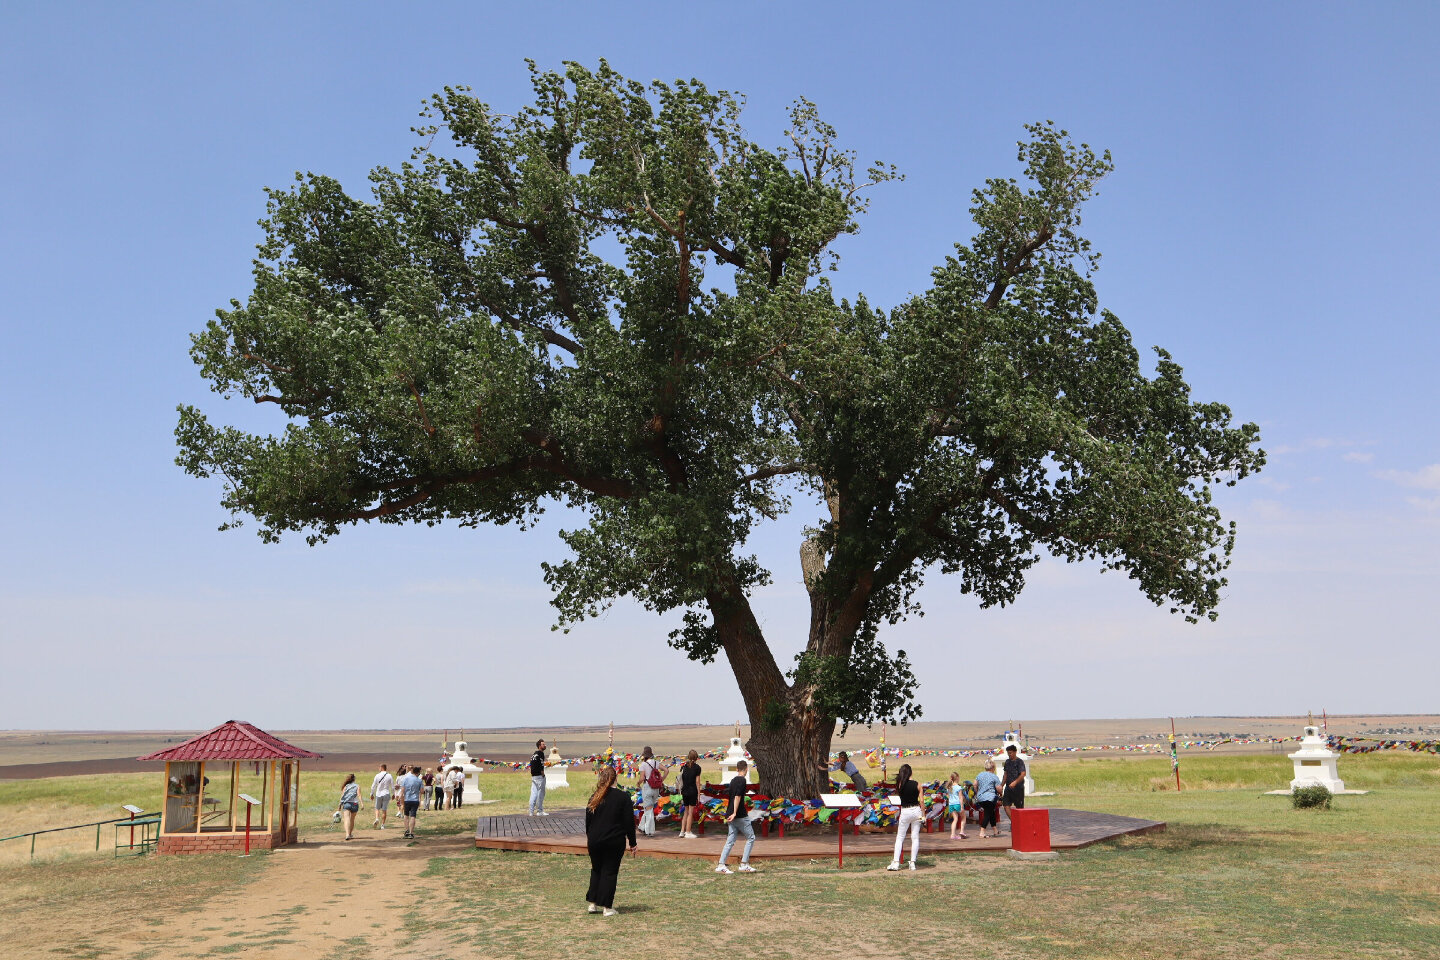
894, 865
542, 813
692, 836
591, 908
746, 868
611, 912
912, 864
723, 869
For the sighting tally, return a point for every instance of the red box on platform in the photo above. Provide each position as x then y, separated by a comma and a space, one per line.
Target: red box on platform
1030, 831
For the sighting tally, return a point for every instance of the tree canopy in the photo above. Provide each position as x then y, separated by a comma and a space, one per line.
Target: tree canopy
612, 299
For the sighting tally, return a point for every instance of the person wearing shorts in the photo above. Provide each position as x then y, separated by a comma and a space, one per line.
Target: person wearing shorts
955, 803
690, 794
410, 786
380, 789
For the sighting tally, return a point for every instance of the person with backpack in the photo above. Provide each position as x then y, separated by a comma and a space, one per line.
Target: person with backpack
652, 781
537, 780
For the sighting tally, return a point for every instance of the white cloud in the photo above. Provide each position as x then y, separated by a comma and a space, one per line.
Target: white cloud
1356, 457
1426, 478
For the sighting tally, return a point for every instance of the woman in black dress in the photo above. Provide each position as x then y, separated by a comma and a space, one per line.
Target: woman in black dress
609, 822
689, 793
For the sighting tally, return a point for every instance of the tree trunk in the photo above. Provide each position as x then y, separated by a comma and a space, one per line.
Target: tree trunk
789, 755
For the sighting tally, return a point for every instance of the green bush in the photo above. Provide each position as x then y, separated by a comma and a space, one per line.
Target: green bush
1315, 795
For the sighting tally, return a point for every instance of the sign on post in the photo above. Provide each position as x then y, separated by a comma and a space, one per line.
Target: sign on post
250, 804
840, 801
131, 809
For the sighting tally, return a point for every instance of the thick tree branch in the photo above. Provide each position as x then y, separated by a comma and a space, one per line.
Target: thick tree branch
776, 470
1011, 267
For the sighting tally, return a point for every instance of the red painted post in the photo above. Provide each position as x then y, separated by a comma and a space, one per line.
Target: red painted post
841, 834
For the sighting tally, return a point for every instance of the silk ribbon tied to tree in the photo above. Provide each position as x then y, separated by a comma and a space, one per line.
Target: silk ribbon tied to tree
612, 299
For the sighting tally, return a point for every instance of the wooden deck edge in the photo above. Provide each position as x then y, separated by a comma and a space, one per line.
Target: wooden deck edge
758, 853
1155, 827
766, 851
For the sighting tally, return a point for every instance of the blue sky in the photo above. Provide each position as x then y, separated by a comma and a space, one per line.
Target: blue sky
1270, 222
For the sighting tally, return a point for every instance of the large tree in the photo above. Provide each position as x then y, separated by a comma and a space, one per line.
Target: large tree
611, 299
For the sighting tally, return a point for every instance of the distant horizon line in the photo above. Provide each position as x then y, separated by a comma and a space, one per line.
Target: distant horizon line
541, 728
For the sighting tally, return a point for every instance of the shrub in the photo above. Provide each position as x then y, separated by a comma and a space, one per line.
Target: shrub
1314, 795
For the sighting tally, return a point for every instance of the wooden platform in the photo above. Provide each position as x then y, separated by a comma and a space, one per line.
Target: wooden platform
564, 832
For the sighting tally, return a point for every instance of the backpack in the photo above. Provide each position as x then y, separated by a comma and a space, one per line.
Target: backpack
655, 781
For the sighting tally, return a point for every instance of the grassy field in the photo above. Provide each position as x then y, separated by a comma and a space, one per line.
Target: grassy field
1236, 874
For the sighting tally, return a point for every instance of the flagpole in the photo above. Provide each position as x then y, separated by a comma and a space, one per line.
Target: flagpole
1174, 756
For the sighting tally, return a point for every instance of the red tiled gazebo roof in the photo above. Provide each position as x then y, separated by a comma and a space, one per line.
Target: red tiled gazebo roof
232, 740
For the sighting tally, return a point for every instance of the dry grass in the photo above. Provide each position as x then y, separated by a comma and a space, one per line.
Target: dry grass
1237, 874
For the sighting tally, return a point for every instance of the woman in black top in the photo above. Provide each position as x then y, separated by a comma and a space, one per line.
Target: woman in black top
689, 793
609, 822
910, 816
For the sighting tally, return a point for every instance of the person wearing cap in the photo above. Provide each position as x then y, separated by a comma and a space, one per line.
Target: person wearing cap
1012, 782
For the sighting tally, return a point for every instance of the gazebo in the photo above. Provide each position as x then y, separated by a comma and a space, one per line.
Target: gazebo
205, 777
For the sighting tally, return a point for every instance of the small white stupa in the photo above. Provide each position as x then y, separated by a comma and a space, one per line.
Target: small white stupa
467, 766
1315, 764
732, 757
555, 769
1001, 756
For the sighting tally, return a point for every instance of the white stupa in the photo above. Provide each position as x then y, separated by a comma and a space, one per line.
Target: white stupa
555, 770
1001, 756
1315, 763
467, 766
733, 756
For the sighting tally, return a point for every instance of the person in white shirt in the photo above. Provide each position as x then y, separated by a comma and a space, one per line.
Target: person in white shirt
457, 788
652, 775
380, 790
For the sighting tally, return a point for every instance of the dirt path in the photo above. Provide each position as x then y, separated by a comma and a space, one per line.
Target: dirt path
315, 901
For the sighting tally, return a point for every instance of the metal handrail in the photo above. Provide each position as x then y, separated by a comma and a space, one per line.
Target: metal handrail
79, 826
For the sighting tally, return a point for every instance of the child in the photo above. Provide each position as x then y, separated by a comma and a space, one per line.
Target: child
955, 794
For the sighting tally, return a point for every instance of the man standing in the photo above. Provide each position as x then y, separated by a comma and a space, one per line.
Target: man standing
537, 781
738, 820
1012, 784
380, 789
457, 788
410, 786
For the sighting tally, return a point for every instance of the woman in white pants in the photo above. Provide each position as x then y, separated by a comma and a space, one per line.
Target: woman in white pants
911, 813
